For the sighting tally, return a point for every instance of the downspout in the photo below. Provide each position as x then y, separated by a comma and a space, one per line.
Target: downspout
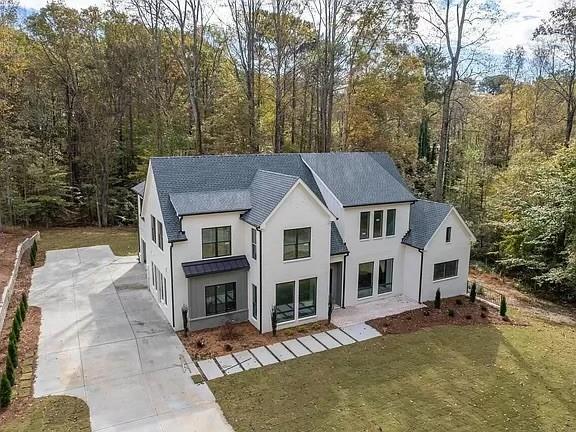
260, 284
420, 283
344, 283
172, 284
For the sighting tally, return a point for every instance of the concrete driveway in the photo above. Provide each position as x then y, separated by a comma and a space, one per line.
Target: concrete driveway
103, 339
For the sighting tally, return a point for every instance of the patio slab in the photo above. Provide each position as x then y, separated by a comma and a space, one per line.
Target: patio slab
341, 337
326, 340
264, 356
229, 364
210, 369
296, 348
280, 351
312, 344
360, 313
247, 360
361, 332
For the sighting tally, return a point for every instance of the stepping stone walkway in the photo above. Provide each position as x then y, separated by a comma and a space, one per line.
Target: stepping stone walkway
283, 351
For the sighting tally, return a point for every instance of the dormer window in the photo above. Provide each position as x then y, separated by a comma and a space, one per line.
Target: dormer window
448, 234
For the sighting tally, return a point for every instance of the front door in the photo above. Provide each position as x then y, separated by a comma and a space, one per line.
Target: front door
336, 283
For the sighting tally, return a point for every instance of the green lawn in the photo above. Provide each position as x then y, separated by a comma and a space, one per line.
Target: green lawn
123, 241
481, 378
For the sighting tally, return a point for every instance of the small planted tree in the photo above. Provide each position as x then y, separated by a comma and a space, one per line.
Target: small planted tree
33, 253
274, 317
13, 353
5, 392
22, 311
25, 300
473, 292
438, 299
503, 306
15, 330
10, 371
330, 310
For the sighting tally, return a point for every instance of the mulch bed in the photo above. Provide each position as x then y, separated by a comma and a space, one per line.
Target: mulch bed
209, 343
465, 313
27, 347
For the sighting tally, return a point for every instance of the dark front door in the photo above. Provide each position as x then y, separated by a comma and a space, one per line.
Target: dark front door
336, 283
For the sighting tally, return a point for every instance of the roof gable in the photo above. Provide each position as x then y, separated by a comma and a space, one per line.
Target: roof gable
425, 218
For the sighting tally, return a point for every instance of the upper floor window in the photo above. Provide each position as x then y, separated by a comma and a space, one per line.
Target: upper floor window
254, 253
153, 227
377, 230
448, 234
141, 207
160, 235
364, 225
391, 222
296, 243
445, 270
216, 242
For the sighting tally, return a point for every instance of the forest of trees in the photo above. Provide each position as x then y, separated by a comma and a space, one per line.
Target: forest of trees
88, 96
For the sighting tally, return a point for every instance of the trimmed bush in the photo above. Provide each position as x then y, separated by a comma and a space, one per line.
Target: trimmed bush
459, 302
10, 371
22, 310
13, 353
15, 330
473, 292
274, 317
451, 313
24, 300
33, 253
503, 307
437, 299
5, 392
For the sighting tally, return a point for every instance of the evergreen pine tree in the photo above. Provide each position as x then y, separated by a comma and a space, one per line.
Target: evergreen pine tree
5, 392
16, 329
424, 141
437, 299
473, 292
25, 301
13, 353
503, 307
33, 253
10, 373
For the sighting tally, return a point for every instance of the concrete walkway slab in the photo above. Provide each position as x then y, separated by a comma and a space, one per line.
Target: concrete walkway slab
296, 348
229, 364
247, 360
361, 332
326, 340
58, 372
264, 356
110, 361
160, 352
360, 313
280, 352
210, 369
341, 337
312, 344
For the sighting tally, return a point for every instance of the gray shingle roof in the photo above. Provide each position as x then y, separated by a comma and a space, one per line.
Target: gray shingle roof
139, 188
267, 190
337, 245
357, 178
216, 265
425, 218
190, 203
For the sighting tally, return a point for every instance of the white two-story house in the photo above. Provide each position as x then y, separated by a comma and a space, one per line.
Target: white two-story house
232, 237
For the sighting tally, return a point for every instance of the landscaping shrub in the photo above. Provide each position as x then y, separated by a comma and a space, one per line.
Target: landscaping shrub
274, 316
459, 302
227, 347
468, 316
200, 343
426, 312
451, 312
484, 308
15, 332
33, 253
438, 299
483, 315
10, 371
22, 311
24, 301
229, 332
5, 392
503, 307
13, 353
18, 320
473, 292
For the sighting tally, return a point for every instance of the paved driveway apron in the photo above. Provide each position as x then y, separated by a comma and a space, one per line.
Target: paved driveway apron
104, 339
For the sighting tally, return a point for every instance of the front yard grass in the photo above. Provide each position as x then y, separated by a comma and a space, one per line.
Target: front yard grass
122, 240
469, 378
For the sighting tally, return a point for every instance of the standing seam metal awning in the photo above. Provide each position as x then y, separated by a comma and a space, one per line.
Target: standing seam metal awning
215, 265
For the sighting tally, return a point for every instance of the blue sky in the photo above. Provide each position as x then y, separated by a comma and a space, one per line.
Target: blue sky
522, 17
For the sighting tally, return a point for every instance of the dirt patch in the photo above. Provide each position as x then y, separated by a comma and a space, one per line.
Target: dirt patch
9, 241
209, 343
527, 302
464, 312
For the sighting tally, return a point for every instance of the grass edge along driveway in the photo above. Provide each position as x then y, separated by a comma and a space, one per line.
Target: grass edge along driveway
122, 240
470, 378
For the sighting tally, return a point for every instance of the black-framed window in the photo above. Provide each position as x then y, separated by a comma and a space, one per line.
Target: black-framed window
153, 227
141, 202
364, 225
254, 244
365, 273
445, 270
307, 298
390, 222
160, 235
216, 242
385, 273
448, 234
378, 223
285, 301
220, 298
254, 301
296, 243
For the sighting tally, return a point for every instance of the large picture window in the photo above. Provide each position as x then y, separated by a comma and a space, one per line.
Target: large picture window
378, 216
385, 276
306, 298
365, 272
445, 270
285, 301
220, 298
391, 222
296, 243
364, 225
216, 242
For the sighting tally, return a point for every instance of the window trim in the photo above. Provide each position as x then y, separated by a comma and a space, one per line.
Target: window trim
388, 213
160, 234
448, 236
254, 244
309, 242
215, 286
254, 301
217, 255
153, 228
371, 281
381, 224
141, 203
444, 263
367, 226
